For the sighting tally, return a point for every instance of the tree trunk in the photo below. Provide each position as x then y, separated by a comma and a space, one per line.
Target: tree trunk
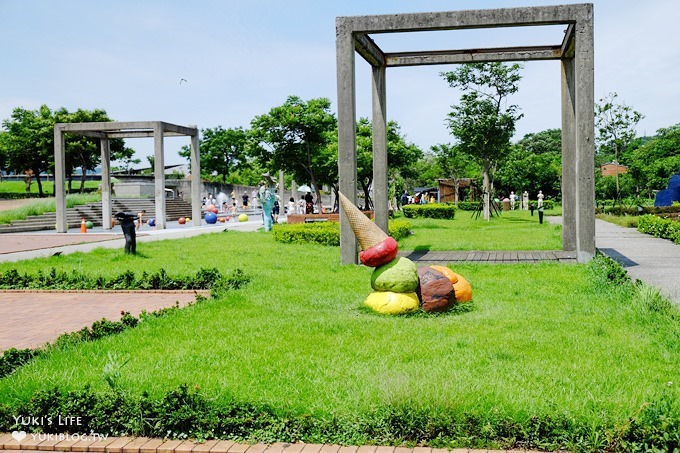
486, 189
36, 172
368, 202
83, 176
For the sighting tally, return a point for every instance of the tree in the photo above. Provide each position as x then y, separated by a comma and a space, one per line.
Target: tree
223, 151
401, 155
653, 163
615, 129
453, 164
4, 136
534, 163
30, 141
81, 151
482, 122
294, 137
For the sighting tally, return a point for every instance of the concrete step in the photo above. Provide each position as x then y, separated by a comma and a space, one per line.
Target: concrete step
174, 209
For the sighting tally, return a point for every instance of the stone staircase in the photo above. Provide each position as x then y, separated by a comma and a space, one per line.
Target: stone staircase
174, 209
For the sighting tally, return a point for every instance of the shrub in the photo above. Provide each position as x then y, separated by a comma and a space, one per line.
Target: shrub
203, 279
660, 228
328, 233
399, 229
432, 211
324, 233
468, 205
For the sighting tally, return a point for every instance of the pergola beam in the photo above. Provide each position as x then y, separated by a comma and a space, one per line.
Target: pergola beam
465, 19
433, 57
105, 131
368, 49
575, 52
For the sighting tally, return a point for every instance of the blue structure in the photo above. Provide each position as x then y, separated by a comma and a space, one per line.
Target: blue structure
671, 194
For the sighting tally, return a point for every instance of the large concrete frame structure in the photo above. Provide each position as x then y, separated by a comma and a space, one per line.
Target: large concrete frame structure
135, 129
574, 50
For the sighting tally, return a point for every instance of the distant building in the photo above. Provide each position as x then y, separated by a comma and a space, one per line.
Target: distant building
613, 168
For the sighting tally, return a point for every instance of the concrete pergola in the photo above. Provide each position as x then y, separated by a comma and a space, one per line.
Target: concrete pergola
575, 51
133, 129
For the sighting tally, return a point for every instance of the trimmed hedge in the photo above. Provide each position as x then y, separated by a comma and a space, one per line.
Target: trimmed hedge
430, 211
327, 233
160, 280
659, 227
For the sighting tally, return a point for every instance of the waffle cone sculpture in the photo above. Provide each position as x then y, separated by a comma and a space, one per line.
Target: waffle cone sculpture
377, 248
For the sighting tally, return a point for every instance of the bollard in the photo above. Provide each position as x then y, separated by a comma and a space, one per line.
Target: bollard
540, 215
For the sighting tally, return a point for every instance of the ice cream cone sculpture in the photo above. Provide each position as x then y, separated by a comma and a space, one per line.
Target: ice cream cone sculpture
377, 248
399, 286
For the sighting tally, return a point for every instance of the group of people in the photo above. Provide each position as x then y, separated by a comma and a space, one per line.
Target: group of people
418, 198
305, 205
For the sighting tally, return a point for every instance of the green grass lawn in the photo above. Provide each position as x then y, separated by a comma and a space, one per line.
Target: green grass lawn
539, 340
513, 230
47, 186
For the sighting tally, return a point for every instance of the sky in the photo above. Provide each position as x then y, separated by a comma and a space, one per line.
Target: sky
221, 63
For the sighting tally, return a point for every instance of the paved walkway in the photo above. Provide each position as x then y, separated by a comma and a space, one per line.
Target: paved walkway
33, 442
31, 319
652, 260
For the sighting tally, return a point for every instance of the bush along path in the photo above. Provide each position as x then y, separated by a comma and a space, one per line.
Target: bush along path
204, 279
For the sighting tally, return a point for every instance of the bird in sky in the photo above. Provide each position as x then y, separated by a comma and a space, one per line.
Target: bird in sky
182, 80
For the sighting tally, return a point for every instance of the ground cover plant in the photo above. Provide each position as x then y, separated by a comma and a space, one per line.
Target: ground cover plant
549, 356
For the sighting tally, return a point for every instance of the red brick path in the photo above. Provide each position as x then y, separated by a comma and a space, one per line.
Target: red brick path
30, 319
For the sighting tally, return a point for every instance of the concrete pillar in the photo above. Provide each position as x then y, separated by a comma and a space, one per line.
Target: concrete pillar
347, 158
106, 183
380, 192
59, 178
159, 175
282, 193
569, 185
585, 132
195, 181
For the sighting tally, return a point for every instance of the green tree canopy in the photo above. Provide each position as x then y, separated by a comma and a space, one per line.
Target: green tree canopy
483, 122
30, 141
653, 163
534, 163
615, 125
85, 152
223, 151
401, 156
295, 137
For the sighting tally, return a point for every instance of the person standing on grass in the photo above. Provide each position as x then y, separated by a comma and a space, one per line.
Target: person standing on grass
127, 223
